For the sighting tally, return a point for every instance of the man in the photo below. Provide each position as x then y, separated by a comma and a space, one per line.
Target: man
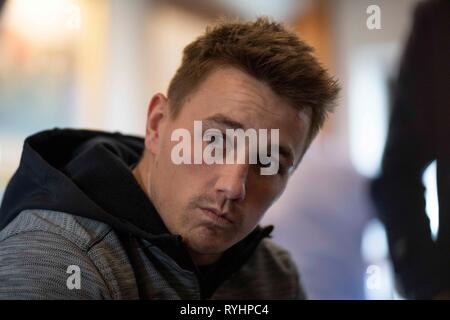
419, 133
105, 216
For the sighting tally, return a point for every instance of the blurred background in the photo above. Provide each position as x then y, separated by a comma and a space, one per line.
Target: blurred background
96, 63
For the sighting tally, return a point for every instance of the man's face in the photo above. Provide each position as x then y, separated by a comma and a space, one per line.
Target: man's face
215, 206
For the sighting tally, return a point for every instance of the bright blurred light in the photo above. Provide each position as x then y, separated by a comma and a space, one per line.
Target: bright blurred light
379, 281
431, 198
43, 21
374, 246
277, 9
379, 273
367, 112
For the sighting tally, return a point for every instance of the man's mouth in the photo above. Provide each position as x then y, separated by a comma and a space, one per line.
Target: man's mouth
217, 216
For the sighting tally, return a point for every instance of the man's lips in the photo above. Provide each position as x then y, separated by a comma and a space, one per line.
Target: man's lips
223, 216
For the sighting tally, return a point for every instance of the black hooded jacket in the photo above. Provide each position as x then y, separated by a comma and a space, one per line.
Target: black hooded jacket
87, 173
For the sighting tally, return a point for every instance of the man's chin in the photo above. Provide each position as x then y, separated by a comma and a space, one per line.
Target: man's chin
207, 248
208, 245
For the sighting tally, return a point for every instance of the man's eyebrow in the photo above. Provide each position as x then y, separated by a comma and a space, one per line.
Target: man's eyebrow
224, 120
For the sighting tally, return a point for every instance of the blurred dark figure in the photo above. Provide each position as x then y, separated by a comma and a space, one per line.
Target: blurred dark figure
419, 133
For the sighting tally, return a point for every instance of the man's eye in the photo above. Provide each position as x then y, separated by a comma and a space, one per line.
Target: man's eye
281, 168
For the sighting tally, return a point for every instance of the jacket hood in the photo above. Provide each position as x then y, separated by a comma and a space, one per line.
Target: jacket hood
84, 173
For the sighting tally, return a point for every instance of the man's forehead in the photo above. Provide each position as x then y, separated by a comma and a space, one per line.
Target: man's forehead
255, 97
232, 86
252, 102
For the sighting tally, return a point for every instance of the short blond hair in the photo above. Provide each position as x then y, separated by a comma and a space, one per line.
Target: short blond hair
265, 50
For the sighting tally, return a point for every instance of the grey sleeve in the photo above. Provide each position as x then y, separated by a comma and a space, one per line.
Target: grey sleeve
293, 270
43, 265
301, 294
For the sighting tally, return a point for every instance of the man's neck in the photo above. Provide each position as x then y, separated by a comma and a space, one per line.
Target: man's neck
140, 172
200, 259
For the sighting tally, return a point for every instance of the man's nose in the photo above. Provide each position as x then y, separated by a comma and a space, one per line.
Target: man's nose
232, 181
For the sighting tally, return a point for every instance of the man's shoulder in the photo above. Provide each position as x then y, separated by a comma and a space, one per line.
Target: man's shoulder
273, 256
38, 251
270, 273
80, 231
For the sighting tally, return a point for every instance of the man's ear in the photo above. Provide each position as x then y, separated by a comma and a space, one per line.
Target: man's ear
156, 116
